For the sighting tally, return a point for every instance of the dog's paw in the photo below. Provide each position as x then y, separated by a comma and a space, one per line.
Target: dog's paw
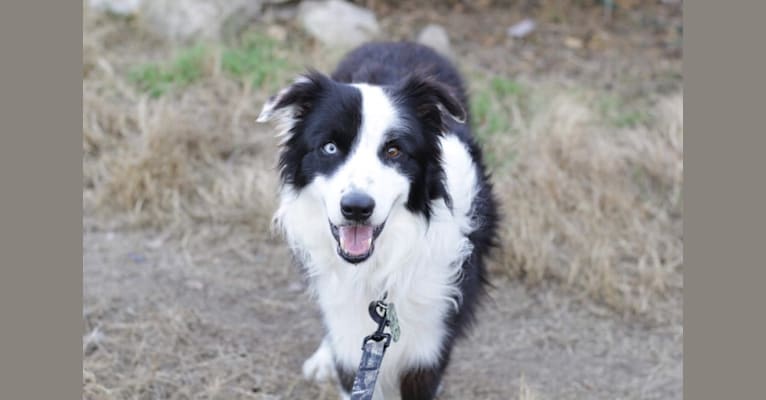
320, 367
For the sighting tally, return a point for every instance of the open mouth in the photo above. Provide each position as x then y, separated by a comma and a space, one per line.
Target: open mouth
356, 242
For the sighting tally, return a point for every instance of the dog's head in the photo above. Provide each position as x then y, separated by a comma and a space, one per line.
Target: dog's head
363, 153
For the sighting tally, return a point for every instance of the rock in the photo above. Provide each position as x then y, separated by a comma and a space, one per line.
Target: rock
277, 32
337, 23
194, 284
281, 12
522, 29
573, 42
436, 37
117, 7
188, 20
137, 258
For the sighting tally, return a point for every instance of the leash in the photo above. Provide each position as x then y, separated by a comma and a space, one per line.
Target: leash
374, 347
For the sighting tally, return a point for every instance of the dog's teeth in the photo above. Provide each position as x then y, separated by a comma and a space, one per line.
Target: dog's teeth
369, 242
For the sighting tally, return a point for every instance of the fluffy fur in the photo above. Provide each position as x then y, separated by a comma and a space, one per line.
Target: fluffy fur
389, 124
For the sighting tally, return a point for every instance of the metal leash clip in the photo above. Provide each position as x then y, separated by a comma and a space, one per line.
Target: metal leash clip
379, 312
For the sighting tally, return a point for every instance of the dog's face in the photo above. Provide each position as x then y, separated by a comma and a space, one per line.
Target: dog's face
362, 153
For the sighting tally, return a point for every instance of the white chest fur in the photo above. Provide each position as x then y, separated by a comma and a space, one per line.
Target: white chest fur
422, 288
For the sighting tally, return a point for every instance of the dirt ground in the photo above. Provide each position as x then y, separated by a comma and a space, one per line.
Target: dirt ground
187, 295
242, 330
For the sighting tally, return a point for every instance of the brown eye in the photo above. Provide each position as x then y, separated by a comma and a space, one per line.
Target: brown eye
392, 152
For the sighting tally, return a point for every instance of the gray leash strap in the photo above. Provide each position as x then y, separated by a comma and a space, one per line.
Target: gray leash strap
367, 374
373, 348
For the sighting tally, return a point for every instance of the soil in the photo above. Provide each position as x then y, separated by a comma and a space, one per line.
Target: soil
237, 329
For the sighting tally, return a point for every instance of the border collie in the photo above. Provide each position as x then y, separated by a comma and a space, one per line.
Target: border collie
384, 191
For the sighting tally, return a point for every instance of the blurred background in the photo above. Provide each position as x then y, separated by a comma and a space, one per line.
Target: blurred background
578, 106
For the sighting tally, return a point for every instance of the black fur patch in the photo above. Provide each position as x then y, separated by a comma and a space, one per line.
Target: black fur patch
421, 383
345, 377
324, 111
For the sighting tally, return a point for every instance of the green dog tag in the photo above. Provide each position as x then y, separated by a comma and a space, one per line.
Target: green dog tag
393, 322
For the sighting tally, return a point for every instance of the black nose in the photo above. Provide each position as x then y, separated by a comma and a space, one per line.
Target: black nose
357, 206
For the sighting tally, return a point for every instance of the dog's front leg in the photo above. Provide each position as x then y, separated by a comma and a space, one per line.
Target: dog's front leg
320, 367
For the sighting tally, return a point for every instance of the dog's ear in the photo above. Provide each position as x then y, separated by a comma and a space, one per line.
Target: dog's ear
432, 100
294, 101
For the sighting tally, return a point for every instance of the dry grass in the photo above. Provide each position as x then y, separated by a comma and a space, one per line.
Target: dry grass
174, 354
162, 161
178, 164
189, 163
526, 392
596, 207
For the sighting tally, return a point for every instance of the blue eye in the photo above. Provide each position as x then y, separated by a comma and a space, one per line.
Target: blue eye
330, 148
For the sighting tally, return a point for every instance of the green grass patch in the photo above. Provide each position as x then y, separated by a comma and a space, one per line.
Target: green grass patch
506, 87
618, 113
489, 121
157, 79
253, 58
491, 105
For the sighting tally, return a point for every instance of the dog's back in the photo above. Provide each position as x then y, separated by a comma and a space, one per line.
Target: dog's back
386, 63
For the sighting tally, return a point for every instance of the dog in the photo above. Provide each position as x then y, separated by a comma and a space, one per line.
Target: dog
384, 191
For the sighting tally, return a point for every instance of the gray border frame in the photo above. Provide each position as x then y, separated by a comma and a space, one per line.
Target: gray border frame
41, 172
41, 217
724, 197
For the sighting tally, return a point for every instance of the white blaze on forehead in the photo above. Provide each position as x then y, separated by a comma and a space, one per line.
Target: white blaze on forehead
378, 116
363, 169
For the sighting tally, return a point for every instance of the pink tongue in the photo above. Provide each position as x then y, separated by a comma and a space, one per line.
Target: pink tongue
355, 240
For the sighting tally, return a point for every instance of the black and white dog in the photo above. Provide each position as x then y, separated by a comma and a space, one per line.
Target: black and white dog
384, 191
